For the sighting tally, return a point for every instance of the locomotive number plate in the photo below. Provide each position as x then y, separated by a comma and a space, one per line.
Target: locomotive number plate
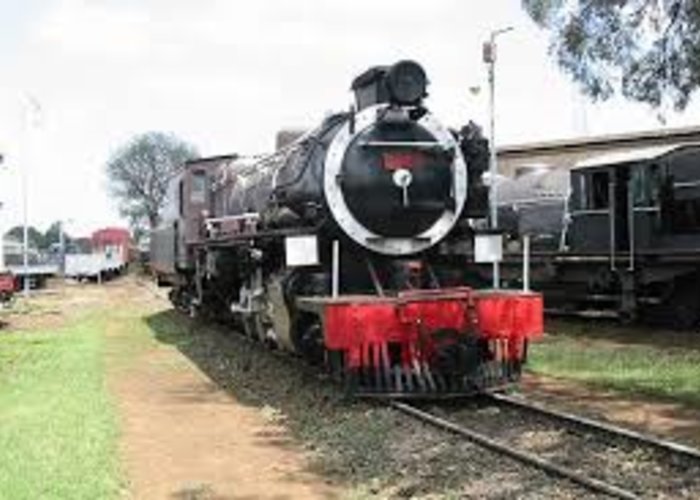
396, 160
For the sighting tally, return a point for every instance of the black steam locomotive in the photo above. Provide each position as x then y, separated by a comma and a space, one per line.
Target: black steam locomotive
334, 247
617, 236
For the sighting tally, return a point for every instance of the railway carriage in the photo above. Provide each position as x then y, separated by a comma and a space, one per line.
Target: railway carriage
336, 248
109, 256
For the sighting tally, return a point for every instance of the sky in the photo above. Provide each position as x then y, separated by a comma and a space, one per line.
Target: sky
78, 78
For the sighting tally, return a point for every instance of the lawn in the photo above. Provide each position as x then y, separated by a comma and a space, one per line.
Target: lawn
643, 367
58, 429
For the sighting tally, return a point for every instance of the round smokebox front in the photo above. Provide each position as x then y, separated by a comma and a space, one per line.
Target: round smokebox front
392, 188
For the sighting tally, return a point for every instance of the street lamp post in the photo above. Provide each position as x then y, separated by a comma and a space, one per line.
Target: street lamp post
490, 59
25, 234
33, 119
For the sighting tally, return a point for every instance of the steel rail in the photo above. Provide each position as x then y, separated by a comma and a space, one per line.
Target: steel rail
662, 444
524, 457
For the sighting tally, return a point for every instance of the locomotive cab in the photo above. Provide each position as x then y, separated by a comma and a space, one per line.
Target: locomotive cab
645, 201
634, 234
189, 200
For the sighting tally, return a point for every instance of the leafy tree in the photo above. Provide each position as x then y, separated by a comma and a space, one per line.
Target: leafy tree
647, 50
139, 171
36, 237
53, 234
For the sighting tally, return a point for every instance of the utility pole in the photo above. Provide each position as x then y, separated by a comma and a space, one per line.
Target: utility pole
25, 233
489, 56
32, 122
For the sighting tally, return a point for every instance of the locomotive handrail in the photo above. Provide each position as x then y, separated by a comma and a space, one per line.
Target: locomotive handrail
228, 218
591, 211
260, 234
404, 144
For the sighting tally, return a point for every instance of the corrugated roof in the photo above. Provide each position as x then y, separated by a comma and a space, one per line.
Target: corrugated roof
607, 140
632, 155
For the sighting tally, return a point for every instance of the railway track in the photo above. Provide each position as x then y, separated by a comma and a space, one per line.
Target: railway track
604, 459
595, 425
517, 419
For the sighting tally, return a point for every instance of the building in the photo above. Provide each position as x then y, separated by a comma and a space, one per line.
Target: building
568, 152
13, 250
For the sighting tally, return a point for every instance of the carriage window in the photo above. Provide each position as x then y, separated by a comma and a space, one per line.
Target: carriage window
685, 210
578, 194
645, 186
655, 179
198, 187
599, 191
639, 184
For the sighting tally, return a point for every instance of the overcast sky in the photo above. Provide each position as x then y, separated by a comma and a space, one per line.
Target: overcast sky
226, 75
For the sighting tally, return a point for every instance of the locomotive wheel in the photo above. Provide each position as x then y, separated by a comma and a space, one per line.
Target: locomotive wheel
684, 310
307, 336
681, 309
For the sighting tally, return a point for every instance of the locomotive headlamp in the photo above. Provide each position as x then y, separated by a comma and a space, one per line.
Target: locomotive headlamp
406, 82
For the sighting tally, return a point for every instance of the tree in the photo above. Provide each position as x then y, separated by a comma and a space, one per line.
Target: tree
35, 237
53, 234
139, 171
647, 50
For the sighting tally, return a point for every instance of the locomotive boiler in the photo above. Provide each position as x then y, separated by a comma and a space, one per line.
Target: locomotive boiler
334, 247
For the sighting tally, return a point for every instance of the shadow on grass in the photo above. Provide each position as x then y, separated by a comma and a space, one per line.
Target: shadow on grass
688, 399
646, 372
611, 331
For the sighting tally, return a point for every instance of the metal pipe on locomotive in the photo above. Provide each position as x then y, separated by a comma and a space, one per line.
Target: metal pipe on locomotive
344, 247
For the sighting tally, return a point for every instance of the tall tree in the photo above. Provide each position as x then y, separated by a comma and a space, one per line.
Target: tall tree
647, 50
53, 233
34, 236
139, 171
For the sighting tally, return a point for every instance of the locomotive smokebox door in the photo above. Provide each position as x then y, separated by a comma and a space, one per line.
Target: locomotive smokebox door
301, 250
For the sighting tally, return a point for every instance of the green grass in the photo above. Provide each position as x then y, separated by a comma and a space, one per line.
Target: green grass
58, 430
637, 369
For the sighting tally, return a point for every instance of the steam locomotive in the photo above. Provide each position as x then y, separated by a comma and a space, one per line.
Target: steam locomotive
617, 236
343, 248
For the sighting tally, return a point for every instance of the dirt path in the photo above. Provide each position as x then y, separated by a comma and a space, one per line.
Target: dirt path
670, 420
184, 437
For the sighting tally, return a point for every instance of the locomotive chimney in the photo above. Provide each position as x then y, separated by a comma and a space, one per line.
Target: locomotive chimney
369, 87
403, 83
